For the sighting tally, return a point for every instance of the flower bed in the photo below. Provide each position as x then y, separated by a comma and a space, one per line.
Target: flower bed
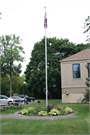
51, 111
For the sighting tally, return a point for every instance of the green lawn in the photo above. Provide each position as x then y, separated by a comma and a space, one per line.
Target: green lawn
79, 125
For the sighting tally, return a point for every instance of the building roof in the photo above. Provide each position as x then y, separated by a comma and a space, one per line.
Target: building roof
85, 54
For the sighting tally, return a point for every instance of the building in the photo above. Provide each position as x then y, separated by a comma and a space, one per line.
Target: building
73, 76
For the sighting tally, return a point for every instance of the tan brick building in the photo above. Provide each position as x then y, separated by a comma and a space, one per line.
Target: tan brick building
73, 76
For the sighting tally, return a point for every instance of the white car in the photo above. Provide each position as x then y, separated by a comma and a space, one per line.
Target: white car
14, 99
4, 100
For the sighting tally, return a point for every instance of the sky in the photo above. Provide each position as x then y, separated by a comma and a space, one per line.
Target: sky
25, 18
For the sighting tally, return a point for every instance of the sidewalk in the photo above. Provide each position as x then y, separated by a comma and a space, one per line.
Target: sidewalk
16, 115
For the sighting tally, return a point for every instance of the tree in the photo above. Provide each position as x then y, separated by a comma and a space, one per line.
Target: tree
87, 28
11, 51
16, 84
81, 46
5, 88
21, 89
57, 49
22, 78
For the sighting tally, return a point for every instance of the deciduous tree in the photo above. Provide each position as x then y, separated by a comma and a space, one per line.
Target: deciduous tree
57, 49
87, 28
5, 87
11, 52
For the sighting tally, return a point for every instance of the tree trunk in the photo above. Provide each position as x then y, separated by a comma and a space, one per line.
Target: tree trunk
10, 85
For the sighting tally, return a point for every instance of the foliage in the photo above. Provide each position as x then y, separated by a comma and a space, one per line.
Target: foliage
24, 111
69, 110
63, 112
87, 28
22, 78
87, 82
58, 107
30, 111
80, 47
60, 110
42, 113
87, 92
11, 51
5, 87
17, 85
49, 107
87, 95
54, 112
31, 108
57, 49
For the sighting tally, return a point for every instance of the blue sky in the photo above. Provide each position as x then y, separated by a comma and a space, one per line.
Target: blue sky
25, 18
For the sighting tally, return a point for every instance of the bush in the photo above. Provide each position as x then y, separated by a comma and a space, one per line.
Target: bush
58, 107
30, 111
24, 111
69, 110
42, 113
87, 95
50, 107
57, 110
63, 112
54, 112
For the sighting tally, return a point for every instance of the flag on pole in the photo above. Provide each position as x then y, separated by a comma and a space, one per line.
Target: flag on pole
45, 20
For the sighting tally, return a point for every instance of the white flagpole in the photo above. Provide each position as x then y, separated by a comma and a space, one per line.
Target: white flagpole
46, 63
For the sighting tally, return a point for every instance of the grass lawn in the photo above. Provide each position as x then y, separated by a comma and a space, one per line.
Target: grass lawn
79, 125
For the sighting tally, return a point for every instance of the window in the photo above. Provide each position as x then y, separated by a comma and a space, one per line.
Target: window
88, 70
76, 70
3, 97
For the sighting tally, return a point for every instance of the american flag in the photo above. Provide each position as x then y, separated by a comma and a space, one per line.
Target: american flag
45, 20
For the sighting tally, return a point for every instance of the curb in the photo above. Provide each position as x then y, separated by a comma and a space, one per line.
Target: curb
16, 115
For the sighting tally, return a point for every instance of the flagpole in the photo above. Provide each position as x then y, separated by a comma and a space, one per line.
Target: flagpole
46, 62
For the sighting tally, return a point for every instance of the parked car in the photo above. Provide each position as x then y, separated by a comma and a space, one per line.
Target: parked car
4, 100
27, 98
22, 98
15, 99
